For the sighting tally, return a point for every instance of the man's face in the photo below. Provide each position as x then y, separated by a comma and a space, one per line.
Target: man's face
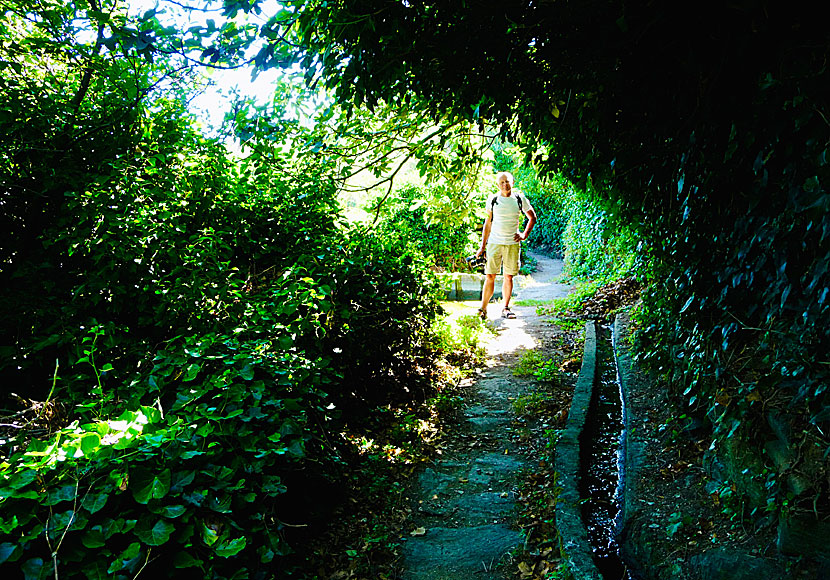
505, 185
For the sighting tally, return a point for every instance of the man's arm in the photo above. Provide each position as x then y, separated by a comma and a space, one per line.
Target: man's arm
531, 221
485, 232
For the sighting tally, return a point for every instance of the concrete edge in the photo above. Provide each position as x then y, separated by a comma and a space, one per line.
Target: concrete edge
632, 446
569, 521
468, 285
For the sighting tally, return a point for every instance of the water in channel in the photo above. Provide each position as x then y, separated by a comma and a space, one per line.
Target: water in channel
601, 457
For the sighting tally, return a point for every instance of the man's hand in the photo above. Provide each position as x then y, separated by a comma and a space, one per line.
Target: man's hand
517, 237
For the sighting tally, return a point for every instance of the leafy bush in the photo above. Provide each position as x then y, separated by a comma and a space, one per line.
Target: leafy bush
534, 364
216, 329
596, 247
444, 234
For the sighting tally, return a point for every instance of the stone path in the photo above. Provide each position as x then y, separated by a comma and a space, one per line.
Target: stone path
462, 524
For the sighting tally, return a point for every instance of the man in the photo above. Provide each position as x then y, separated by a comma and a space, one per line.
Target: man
501, 236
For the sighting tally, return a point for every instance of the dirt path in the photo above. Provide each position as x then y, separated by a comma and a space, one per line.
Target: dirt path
462, 524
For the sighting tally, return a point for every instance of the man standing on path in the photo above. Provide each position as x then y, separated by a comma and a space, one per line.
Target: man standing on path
501, 236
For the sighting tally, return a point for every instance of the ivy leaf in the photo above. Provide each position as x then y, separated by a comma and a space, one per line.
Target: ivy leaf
125, 558
90, 442
247, 372
94, 538
6, 550
94, 502
232, 548
191, 372
63, 493
156, 535
181, 479
170, 511
6, 526
209, 534
25, 478
185, 560
147, 485
32, 569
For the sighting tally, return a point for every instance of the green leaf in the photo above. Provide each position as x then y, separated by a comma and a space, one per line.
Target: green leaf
232, 548
181, 479
247, 372
22, 479
191, 372
6, 551
131, 553
6, 527
156, 535
34, 569
170, 511
147, 485
94, 538
185, 560
63, 493
209, 534
94, 502
90, 442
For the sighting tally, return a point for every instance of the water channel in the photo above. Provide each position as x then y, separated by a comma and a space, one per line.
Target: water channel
601, 460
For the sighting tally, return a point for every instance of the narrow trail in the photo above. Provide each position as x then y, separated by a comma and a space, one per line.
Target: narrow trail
463, 518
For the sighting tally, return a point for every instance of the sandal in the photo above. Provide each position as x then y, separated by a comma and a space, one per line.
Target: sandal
482, 314
507, 313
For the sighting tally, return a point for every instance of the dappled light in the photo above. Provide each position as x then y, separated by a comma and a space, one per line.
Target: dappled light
231, 351
513, 337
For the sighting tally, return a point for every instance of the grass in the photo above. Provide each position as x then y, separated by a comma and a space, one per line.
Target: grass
536, 303
573, 301
533, 364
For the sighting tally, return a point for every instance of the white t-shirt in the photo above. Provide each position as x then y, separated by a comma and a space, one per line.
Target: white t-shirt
507, 217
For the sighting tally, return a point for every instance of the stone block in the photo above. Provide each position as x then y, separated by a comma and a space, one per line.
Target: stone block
804, 536
465, 286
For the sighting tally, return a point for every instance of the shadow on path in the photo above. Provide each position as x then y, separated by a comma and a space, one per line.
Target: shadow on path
463, 505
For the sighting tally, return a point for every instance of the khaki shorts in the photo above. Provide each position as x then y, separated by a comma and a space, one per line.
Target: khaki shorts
503, 254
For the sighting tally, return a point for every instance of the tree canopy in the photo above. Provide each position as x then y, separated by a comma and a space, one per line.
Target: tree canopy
207, 319
703, 128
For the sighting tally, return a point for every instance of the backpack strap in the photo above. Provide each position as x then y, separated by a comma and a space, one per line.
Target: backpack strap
518, 201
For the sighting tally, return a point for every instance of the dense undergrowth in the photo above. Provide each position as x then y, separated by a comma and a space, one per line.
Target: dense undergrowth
202, 364
221, 343
196, 343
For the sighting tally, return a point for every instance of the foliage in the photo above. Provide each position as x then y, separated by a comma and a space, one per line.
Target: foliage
574, 301
532, 363
596, 247
444, 239
463, 334
704, 133
529, 264
217, 329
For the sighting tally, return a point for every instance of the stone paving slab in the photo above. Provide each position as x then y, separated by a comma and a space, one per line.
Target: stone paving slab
459, 553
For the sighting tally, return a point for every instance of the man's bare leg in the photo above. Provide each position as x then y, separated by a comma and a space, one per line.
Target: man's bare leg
506, 289
487, 290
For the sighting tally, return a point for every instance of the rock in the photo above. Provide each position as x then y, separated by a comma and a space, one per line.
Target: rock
453, 554
721, 564
804, 536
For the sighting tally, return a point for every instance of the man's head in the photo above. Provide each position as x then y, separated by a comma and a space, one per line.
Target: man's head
504, 180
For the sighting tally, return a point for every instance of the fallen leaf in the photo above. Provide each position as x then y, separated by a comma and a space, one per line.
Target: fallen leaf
418, 532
